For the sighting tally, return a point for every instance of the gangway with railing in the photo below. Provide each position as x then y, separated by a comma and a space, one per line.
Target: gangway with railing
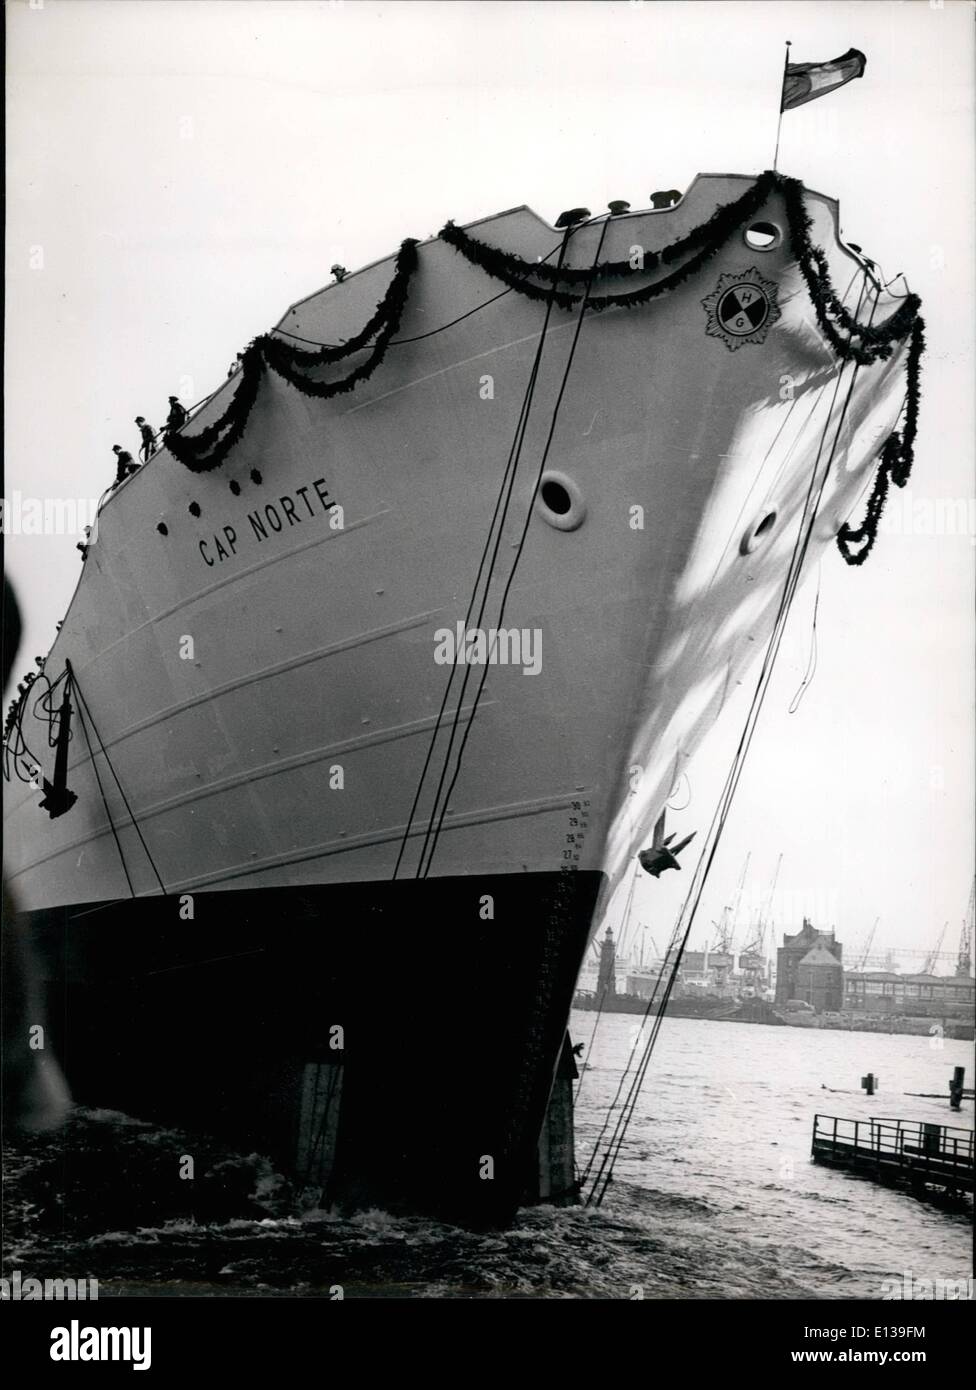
900, 1151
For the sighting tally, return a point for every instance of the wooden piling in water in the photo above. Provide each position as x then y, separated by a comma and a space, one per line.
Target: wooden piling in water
956, 1087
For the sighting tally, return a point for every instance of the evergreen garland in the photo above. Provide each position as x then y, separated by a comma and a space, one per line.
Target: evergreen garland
203, 452
389, 310
850, 340
866, 343
862, 343
897, 457
518, 273
291, 362
505, 265
869, 343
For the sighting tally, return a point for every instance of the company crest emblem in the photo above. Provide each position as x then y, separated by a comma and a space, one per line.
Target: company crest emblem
741, 309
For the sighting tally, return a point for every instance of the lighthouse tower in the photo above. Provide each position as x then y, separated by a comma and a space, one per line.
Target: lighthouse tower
606, 981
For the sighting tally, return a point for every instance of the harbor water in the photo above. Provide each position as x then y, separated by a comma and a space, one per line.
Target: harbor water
714, 1195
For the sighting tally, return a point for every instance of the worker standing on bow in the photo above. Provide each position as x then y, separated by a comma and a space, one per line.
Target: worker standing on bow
177, 416
148, 439
126, 464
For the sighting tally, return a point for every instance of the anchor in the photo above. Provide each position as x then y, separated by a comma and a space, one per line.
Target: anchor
662, 854
58, 796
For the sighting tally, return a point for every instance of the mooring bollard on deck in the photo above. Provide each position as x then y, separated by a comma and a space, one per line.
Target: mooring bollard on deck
870, 1083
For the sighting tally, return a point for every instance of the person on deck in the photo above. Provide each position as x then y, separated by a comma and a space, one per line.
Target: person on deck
126, 464
177, 416
148, 439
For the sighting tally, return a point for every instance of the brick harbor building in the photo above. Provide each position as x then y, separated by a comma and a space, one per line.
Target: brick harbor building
809, 966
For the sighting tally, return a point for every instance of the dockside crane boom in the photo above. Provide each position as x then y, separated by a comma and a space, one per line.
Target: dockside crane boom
929, 966
755, 951
964, 960
867, 946
726, 928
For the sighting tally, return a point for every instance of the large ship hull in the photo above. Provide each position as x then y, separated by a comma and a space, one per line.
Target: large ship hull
259, 649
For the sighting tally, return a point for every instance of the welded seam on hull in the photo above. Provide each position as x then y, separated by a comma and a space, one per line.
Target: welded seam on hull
391, 734
443, 371
268, 673
512, 811
274, 559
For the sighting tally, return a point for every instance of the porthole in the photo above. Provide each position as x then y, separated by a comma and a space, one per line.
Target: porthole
555, 497
758, 534
560, 502
762, 236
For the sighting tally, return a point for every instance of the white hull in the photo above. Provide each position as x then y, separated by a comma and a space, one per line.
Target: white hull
314, 649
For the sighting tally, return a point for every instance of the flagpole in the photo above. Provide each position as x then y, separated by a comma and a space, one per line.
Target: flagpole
782, 89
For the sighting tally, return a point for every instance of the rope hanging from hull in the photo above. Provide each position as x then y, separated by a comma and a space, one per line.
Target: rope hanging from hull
87, 718
430, 842
482, 581
601, 1164
35, 696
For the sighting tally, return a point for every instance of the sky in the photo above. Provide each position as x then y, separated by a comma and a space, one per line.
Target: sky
179, 173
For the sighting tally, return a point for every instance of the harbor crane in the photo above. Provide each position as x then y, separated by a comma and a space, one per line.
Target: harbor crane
753, 956
726, 927
929, 967
964, 960
867, 946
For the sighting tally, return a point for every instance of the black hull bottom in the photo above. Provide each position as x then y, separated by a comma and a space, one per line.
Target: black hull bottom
395, 1041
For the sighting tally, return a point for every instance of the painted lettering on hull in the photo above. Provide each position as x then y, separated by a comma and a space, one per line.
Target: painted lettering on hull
307, 504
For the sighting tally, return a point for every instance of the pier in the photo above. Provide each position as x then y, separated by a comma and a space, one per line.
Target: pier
909, 1152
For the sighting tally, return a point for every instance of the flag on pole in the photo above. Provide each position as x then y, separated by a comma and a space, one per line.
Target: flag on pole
804, 82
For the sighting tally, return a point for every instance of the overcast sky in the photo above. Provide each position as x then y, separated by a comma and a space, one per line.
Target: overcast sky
189, 169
